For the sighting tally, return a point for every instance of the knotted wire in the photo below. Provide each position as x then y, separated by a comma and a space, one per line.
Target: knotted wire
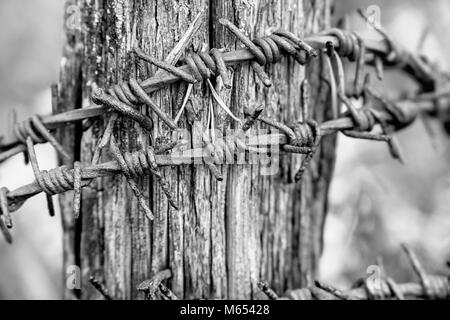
384, 287
124, 98
56, 181
231, 147
35, 129
304, 136
265, 288
366, 118
351, 46
135, 165
267, 50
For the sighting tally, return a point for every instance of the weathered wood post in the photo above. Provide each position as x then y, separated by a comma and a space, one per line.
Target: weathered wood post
227, 235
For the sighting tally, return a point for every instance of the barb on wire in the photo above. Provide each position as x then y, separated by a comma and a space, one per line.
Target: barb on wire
100, 287
430, 287
264, 287
152, 288
137, 165
261, 51
301, 138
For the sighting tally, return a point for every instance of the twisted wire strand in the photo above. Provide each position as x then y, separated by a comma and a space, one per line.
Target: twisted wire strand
332, 290
114, 149
52, 182
35, 129
303, 138
267, 49
358, 84
366, 118
101, 97
124, 92
121, 98
57, 181
415, 66
115, 91
395, 289
351, 46
310, 132
204, 65
144, 164
231, 147
433, 287
399, 118
61, 179
298, 139
388, 290
264, 287
430, 287
337, 80
134, 165
331, 82
224, 150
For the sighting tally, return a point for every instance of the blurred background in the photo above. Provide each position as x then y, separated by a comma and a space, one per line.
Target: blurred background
32, 40
375, 203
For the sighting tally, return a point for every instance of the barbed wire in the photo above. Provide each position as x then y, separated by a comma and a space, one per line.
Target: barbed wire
302, 137
121, 96
381, 287
375, 287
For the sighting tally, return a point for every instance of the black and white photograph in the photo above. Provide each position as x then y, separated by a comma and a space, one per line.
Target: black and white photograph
226, 158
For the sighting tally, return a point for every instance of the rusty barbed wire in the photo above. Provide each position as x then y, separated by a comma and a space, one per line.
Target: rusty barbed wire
429, 287
264, 287
259, 52
381, 288
302, 137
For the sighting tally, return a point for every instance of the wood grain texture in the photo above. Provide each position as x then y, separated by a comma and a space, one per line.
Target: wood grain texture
227, 235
